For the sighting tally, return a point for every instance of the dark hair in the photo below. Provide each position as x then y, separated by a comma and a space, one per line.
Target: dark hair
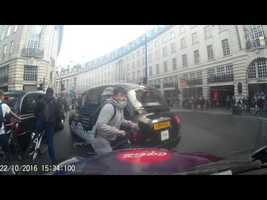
49, 90
118, 90
1, 93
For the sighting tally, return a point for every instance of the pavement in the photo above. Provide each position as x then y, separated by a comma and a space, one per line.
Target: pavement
221, 134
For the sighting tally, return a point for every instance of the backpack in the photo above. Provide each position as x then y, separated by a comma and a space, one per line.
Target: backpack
96, 114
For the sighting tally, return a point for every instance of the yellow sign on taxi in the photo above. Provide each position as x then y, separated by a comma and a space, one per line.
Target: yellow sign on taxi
162, 125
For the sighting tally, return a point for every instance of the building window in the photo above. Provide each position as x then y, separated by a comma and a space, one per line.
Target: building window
172, 35
257, 36
173, 47
15, 28
199, 75
194, 38
156, 43
262, 68
174, 64
150, 71
165, 66
133, 65
211, 74
157, 68
138, 53
149, 58
8, 30
4, 75
210, 52
138, 74
222, 73
157, 54
184, 60
182, 29
256, 31
4, 52
32, 44
252, 71
3, 34
138, 63
222, 28
183, 43
225, 46
229, 70
207, 32
30, 73
164, 51
193, 26
11, 48
196, 57
143, 50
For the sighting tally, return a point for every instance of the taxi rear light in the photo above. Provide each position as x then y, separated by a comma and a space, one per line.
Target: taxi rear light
177, 119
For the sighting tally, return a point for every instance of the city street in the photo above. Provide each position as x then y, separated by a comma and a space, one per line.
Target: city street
218, 134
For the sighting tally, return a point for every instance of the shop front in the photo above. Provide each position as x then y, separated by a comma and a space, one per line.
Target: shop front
257, 88
218, 94
194, 92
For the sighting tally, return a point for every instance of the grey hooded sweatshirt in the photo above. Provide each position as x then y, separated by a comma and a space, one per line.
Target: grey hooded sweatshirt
107, 128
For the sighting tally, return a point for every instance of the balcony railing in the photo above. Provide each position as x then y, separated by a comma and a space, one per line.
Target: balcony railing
32, 52
221, 78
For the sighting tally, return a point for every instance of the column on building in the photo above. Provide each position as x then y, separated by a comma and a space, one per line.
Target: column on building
205, 87
240, 76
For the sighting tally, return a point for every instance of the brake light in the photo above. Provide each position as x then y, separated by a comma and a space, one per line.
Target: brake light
177, 119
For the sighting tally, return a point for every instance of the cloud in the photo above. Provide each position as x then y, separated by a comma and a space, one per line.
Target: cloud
87, 42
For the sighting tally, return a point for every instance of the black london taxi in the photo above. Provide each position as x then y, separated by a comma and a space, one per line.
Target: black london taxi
159, 127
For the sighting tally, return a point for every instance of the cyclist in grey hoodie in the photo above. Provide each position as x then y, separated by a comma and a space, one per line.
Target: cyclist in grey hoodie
109, 122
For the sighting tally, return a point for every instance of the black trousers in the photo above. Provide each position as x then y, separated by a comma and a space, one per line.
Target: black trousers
4, 142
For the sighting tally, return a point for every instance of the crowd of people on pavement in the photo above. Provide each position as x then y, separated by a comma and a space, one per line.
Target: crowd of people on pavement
255, 104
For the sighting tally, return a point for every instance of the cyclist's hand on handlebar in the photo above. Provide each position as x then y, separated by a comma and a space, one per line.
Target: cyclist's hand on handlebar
121, 132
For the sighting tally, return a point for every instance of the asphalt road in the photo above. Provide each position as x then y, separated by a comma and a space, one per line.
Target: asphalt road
221, 134
216, 134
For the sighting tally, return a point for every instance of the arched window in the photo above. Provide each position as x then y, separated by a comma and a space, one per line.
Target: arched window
258, 68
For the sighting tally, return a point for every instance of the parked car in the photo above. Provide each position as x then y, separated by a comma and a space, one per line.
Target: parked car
159, 127
23, 104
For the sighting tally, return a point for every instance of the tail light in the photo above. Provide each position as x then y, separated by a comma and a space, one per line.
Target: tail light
177, 119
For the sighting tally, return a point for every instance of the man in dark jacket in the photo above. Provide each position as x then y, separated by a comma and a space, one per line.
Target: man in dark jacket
46, 114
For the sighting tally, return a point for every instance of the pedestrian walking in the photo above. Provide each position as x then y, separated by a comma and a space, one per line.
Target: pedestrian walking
46, 114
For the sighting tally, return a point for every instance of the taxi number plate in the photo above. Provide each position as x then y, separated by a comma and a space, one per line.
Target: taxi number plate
162, 125
164, 135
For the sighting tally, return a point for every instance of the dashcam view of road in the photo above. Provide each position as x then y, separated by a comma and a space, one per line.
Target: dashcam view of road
144, 100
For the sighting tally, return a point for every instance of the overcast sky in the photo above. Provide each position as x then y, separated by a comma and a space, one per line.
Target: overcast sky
82, 43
